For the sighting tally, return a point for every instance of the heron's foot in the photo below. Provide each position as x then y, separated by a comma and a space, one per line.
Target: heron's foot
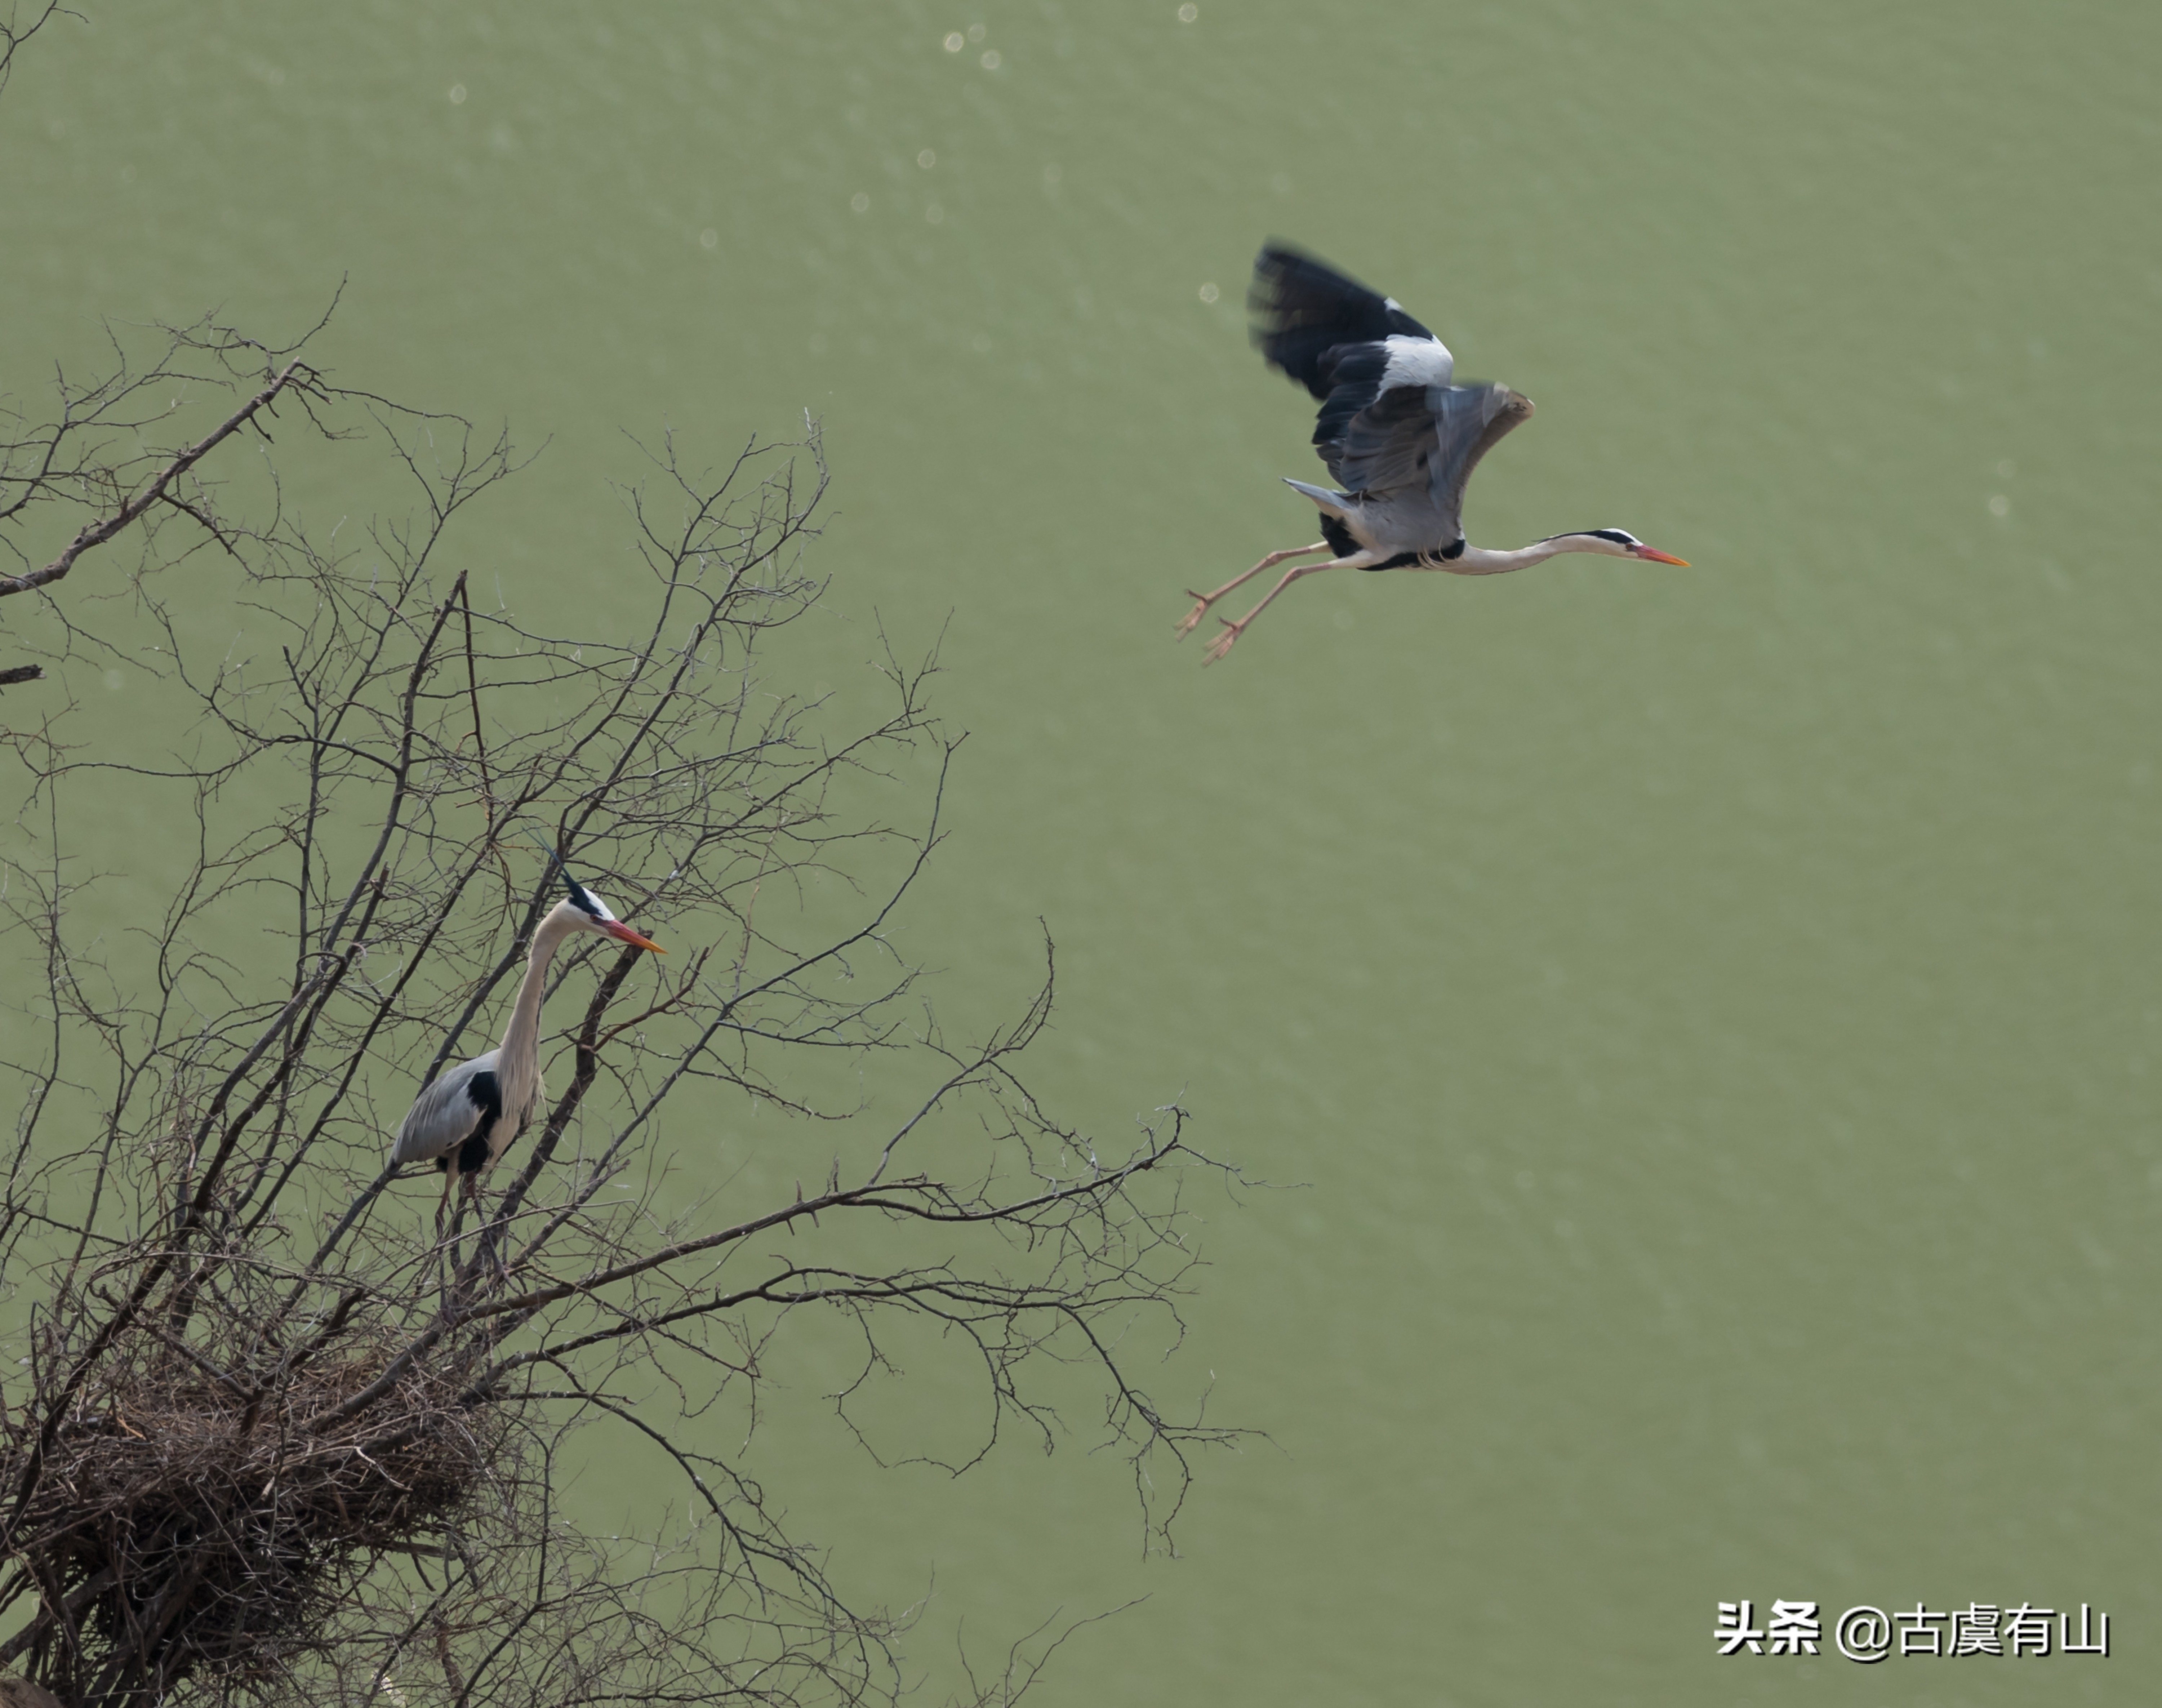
1224, 642
1193, 616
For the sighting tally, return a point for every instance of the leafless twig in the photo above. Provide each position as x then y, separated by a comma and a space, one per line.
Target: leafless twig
249, 1450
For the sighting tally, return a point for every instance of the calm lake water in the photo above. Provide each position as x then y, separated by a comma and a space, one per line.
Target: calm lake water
1707, 1020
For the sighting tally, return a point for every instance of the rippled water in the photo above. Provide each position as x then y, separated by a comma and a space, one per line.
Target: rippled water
1709, 1015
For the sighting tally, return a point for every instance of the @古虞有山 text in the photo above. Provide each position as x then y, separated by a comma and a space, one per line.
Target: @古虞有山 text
1866, 1633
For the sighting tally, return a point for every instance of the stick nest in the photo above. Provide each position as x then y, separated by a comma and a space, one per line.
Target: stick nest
180, 1511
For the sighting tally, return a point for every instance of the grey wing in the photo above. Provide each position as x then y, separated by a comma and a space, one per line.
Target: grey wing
1388, 444
1417, 446
443, 1116
1470, 420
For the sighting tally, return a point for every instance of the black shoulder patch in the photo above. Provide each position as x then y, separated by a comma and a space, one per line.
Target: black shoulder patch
1414, 560
1338, 536
484, 1091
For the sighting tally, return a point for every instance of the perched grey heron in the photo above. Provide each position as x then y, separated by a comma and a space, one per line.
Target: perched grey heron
1399, 439
470, 1115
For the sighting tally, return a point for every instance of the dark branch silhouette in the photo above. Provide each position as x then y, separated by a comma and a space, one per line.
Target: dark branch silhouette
262, 1439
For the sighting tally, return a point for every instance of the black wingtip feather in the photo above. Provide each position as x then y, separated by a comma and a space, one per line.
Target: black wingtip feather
1303, 308
1350, 379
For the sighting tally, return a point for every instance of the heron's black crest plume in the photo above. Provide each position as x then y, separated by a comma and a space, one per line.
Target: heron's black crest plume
581, 897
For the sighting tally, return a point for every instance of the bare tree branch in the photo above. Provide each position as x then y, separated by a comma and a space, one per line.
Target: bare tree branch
15, 31
262, 1441
92, 534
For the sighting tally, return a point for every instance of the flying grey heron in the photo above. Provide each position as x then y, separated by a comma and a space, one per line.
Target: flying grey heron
470, 1115
1399, 439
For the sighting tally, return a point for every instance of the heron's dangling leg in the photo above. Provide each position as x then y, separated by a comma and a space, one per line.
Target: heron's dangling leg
1271, 561
443, 1240
1229, 638
491, 1233
468, 1189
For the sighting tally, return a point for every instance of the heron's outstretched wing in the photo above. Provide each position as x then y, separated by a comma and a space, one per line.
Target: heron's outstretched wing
1392, 425
446, 1113
1470, 422
1303, 309
1418, 446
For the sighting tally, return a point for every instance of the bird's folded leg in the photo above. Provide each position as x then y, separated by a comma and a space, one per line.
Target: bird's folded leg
1206, 600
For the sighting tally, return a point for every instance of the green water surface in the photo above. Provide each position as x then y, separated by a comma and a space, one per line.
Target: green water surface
1707, 1021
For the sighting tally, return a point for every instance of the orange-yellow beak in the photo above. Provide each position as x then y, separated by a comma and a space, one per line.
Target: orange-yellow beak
1658, 556
617, 929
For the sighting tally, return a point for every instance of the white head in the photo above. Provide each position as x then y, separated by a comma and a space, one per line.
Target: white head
585, 912
1611, 542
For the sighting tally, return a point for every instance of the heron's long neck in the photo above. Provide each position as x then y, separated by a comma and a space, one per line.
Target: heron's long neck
1477, 560
517, 1062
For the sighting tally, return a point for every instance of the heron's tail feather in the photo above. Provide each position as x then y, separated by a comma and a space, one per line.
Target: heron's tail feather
1331, 501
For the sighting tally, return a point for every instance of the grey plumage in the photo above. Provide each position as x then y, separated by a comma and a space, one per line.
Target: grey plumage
1405, 460
466, 1118
465, 1103
1401, 438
